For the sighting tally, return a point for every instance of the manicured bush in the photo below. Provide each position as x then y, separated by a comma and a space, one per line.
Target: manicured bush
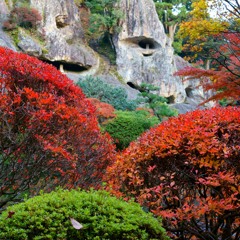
101, 216
128, 126
186, 169
117, 97
49, 134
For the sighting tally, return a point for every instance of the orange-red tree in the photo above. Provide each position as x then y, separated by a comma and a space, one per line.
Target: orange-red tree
49, 135
187, 170
224, 79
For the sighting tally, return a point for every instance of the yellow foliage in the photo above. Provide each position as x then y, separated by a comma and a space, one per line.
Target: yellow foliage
200, 26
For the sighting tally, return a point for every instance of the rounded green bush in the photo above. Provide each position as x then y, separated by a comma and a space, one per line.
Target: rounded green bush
102, 216
128, 126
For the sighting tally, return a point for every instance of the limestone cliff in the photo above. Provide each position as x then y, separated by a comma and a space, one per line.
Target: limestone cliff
62, 39
145, 54
61, 27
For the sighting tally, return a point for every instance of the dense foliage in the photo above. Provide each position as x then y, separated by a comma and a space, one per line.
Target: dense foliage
101, 216
23, 17
104, 18
187, 170
171, 13
116, 96
104, 111
128, 126
224, 80
49, 133
198, 30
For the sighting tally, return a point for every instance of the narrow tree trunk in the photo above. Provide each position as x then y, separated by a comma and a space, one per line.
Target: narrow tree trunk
172, 30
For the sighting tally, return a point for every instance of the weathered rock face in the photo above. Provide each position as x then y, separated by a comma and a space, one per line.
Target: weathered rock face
3, 9
5, 40
144, 52
61, 27
28, 45
62, 39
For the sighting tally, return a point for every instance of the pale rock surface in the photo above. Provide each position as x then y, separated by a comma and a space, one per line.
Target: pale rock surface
5, 40
4, 11
145, 55
28, 45
61, 28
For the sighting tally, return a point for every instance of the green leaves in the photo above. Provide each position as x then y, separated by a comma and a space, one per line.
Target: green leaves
127, 126
117, 97
57, 216
105, 16
155, 102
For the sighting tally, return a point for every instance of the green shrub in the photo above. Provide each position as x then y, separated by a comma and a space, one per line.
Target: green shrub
102, 217
117, 97
127, 126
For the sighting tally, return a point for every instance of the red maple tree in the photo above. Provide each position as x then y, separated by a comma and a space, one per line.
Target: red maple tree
49, 134
186, 170
224, 79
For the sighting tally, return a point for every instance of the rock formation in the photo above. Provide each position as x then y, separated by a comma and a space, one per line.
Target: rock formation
145, 54
61, 28
5, 40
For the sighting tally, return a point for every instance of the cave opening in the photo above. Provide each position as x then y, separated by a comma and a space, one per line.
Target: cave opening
170, 99
147, 43
189, 92
66, 67
132, 85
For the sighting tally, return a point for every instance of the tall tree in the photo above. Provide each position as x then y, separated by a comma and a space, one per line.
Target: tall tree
217, 42
171, 13
224, 80
198, 32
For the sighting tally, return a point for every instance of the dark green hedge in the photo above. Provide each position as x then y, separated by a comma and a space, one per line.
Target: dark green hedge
128, 126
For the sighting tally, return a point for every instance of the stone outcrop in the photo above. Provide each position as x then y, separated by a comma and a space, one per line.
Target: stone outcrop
145, 54
5, 40
62, 38
28, 45
61, 28
4, 11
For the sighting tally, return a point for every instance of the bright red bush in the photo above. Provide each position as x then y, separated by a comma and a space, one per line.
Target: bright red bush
49, 135
187, 170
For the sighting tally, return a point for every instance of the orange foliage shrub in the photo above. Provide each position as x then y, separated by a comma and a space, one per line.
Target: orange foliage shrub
104, 111
186, 170
49, 134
